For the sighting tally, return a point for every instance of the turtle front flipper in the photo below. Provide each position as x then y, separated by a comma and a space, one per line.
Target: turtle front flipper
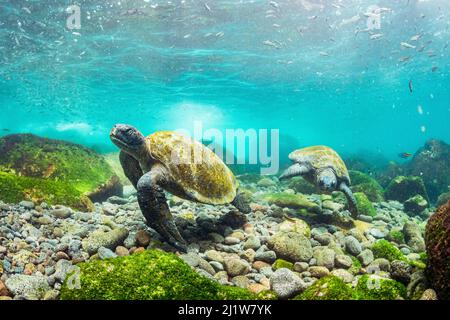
240, 203
130, 167
293, 171
155, 209
350, 199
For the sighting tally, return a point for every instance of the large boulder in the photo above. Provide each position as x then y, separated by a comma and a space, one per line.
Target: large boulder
437, 240
432, 163
55, 172
403, 188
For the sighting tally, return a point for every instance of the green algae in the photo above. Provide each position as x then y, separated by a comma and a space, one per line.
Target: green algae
149, 275
365, 207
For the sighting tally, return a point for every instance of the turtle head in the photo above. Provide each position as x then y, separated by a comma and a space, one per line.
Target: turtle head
326, 180
127, 138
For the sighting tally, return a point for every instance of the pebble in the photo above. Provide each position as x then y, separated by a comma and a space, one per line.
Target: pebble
231, 240
286, 283
324, 257
142, 238
122, 251
318, 271
301, 266
352, 245
343, 261
216, 265
26, 204
365, 257
291, 246
31, 287
252, 242
236, 267
346, 276
266, 256
240, 281
256, 287
105, 253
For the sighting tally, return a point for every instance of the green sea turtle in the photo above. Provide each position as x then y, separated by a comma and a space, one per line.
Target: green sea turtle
323, 167
170, 161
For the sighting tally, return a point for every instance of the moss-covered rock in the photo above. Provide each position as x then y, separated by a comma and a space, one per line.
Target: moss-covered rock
437, 240
148, 275
432, 163
364, 205
328, 288
443, 199
53, 171
280, 263
369, 287
14, 188
373, 287
385, 249
293, 201
396, 236
415, 205
364, 183
404, 187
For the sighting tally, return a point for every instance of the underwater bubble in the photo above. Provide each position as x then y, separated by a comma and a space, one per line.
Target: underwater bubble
420, 109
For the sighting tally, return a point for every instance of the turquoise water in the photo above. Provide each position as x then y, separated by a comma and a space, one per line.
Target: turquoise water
307, 68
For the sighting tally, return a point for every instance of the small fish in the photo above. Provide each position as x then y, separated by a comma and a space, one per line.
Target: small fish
434, 69
404, 59
271, 44
207, 7
407, 45
376, 36
274, 4
323, 53
416, 37
410, 85
6, 130
404, 155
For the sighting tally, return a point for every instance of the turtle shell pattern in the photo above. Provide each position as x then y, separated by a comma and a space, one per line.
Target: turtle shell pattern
194, 168
321, 157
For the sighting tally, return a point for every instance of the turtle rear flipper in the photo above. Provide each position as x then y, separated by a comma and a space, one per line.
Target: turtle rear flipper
350, 199
241, 204
155, 209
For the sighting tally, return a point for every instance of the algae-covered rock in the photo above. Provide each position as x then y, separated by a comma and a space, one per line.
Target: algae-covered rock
413, 236
415, 205
432, 163
328, 288
293, 201
385, 249
404, 187
53, 171
280, 263
149, 275
365, 207
443, 199
364, 183
373, 287
437, 239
